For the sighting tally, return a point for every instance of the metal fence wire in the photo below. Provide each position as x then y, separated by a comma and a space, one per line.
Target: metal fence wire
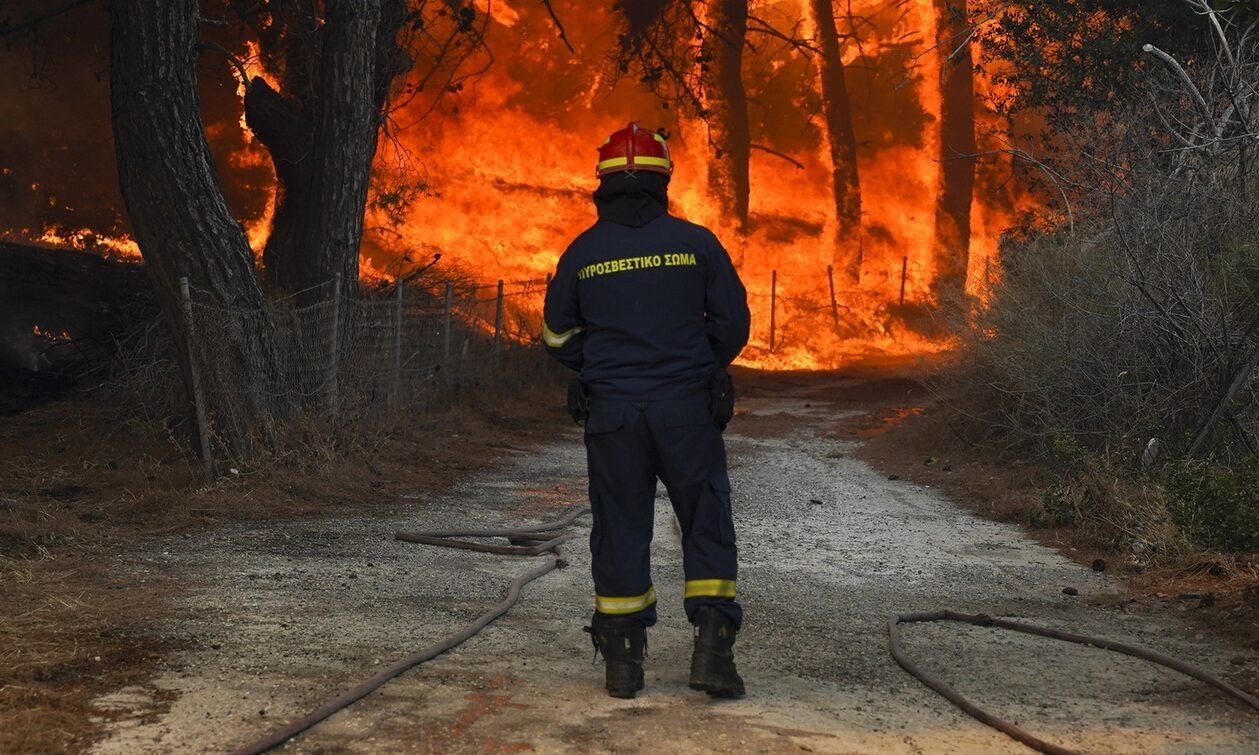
390, 348
402, 344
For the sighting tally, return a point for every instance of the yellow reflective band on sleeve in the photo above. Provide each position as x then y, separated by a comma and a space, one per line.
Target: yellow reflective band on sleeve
556, 340
710, 588
635, 604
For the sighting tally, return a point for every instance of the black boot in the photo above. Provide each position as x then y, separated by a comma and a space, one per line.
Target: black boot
622, 641
712, 665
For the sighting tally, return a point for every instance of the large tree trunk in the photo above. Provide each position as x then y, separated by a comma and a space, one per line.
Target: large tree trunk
957, 149
322, 133
726, 104
845, 180
176, 207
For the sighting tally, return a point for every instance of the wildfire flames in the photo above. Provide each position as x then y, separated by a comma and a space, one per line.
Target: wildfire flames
499, 174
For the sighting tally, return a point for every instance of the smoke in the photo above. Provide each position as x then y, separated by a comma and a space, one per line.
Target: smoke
57, 169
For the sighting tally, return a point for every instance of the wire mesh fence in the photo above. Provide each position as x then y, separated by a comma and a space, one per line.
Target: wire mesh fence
347, 356
402, 346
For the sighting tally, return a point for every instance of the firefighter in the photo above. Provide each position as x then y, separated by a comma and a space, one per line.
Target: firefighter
650, 310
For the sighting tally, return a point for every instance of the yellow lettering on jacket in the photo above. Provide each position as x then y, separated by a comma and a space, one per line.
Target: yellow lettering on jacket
627, 264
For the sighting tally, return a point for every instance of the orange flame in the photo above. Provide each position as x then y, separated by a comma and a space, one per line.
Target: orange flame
513, 168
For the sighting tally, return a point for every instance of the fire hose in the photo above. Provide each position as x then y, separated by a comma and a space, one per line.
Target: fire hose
539, 539
525, 541
947, 692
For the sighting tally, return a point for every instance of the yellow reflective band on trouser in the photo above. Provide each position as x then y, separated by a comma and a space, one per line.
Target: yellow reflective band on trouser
617, 162
604, 604
710, 588
556, 340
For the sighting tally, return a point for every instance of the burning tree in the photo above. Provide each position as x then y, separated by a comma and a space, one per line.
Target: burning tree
725, 105
705, 79
173, 196
957, 148
335, 72
336, 65
845, 180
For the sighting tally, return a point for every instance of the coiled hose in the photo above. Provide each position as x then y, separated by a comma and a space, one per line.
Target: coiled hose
982, 620
525, 541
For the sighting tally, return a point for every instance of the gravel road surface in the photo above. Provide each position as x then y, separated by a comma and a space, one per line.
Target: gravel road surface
280, 616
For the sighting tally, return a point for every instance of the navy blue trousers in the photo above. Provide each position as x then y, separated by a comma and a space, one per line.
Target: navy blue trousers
629, 445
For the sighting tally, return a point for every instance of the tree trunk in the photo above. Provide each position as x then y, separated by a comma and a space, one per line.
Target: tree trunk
176, 207
727, 108
322, 137
957, 147
846, 181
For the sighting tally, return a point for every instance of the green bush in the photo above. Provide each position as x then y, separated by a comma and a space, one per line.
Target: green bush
1216, 507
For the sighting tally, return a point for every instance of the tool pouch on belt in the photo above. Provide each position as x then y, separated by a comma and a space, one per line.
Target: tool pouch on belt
578, 401
721, 392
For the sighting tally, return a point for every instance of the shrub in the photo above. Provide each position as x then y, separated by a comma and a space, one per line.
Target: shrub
1216, 507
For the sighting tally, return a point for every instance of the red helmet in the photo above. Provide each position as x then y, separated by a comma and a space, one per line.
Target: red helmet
632, 149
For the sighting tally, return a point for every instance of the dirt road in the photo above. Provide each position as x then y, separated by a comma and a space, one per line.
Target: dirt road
281, 616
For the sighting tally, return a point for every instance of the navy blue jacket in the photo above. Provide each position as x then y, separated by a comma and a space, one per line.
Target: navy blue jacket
646, 313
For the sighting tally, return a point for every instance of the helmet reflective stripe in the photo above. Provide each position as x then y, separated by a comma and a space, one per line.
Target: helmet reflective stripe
632, 149
660, 162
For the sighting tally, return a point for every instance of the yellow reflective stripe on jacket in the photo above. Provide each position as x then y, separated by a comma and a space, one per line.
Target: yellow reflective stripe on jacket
710, 588
635, 604
556, 340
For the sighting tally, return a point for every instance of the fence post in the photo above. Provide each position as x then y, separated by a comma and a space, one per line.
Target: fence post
904, 272
449, 305
334, 345
397, 341
773, 308
498, 319
830, 277
198, 398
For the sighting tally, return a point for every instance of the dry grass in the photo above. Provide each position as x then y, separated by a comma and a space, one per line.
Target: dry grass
917, 436
68, 634
80, 481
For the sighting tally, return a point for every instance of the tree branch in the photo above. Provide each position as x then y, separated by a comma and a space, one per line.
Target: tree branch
1183, 75
799, 165
559, 27
7, 29
236, 62
768, 29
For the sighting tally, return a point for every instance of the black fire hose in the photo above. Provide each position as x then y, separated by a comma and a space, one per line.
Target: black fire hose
529, 543
942, 687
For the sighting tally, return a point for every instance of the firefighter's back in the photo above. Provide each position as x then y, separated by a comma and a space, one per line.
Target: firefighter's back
642, 295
